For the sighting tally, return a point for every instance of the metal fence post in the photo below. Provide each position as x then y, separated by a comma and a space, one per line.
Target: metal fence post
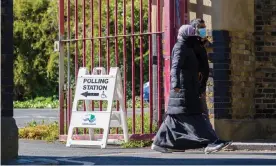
175, 11
169, 39
61, 67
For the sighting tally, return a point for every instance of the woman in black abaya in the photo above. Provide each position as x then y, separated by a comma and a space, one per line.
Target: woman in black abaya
185, 126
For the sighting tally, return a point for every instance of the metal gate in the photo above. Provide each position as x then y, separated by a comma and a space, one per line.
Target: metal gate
123, 33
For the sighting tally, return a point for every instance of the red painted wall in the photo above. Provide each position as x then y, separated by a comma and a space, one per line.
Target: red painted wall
175, 14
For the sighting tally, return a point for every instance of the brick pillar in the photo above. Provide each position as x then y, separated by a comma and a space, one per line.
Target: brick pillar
265, 36
265, 55
9, 130
233, 84
242, 84
218, 92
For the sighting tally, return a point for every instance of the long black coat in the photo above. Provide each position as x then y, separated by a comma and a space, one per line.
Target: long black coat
184, 75
203, 65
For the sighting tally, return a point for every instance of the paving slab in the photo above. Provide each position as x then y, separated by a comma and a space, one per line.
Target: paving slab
43, 153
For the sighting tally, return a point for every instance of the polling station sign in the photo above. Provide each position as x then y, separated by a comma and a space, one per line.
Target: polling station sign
92, 88
95, 87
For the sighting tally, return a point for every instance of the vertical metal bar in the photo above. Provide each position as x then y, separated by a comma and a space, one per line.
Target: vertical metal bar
133, 66
84, 34
116, 45
92, 41
70, 111
170, 35
107, 40
68, 67
159, 67
100, 32
141, 68
65, 113
61, 67
150, 64
76, 43
154, 65
84, 44
124, 55
116, 33
100, 44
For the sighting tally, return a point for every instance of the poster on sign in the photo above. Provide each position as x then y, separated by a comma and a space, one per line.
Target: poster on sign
89, 119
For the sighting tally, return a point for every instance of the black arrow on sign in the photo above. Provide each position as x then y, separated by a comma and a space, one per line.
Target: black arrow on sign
85, 94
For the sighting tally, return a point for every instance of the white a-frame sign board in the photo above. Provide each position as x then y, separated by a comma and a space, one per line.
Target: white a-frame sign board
98, 87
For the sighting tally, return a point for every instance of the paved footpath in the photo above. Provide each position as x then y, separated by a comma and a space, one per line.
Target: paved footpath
41, 153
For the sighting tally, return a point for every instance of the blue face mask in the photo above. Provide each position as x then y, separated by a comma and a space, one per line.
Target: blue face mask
202, 32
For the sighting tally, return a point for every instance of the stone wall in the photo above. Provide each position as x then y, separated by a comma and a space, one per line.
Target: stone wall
265, 37
241, 92
242, 76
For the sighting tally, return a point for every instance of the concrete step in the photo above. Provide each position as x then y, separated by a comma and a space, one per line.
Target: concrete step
252, 146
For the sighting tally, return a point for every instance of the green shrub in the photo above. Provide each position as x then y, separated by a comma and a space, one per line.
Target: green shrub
40, 131
39, 102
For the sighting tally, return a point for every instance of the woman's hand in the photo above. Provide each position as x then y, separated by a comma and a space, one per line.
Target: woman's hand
176, 90
200, 77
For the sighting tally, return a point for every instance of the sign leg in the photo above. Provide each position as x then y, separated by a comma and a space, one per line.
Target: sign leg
124, 126
105, 135
69, 136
